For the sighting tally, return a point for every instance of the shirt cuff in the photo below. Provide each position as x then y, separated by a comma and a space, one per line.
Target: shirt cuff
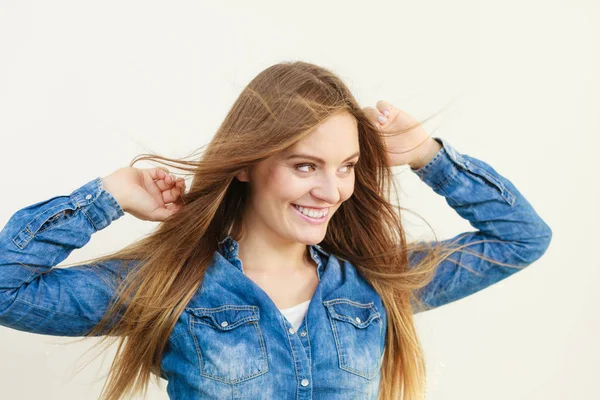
442, 166
99, 205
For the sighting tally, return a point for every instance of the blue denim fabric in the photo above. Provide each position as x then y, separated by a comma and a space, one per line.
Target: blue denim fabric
498, 211
232, 341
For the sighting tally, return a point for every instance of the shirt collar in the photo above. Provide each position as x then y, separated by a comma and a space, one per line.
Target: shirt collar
229, 248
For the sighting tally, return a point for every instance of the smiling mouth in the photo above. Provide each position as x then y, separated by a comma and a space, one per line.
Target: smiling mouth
312, 215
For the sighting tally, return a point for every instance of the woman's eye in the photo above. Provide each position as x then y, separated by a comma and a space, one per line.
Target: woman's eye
303, 166
349, 166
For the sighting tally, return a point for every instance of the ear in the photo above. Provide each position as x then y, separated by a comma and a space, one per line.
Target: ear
242, 176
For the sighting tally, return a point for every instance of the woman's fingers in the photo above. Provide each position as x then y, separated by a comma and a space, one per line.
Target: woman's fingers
381, 115
384, 106
162, 173
174, 193
171, 189
163, 178
157, 173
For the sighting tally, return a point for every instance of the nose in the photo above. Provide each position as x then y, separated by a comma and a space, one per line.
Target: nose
327, 189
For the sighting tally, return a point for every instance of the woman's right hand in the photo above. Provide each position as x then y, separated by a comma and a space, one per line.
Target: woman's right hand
150, 194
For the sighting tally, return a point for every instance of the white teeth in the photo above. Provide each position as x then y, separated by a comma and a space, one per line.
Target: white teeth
311, 213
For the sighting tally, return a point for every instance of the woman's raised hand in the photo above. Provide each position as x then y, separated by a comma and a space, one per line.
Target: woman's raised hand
410, 147
150, 194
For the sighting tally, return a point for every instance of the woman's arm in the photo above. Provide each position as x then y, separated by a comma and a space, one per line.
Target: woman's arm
34, 296
492, 205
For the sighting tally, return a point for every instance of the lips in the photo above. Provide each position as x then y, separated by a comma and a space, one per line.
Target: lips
312, 220
314, 208
324, 211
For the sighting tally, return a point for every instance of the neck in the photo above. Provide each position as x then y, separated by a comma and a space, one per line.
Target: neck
262, 254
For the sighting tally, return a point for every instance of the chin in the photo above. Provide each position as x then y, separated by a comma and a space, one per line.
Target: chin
312, 239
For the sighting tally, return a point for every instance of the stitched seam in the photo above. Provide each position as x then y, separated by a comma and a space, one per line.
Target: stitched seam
336, 339
113, 202
281, 317
342, 361
447, 178
198, 354
193, 320
90, 219
310, 363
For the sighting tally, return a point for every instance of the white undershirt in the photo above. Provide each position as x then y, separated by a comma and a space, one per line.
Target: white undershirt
296, 313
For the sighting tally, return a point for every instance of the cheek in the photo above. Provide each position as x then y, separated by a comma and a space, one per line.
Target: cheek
346, 191
285, 186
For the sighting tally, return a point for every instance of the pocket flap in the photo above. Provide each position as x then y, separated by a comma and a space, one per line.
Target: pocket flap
226, 317
358, 314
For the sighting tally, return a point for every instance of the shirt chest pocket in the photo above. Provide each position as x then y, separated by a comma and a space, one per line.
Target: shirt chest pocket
357, 330
229, 342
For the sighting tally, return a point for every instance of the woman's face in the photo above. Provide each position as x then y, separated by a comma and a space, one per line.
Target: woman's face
316, 173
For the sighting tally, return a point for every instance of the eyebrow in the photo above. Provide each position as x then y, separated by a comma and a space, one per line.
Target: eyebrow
300, 155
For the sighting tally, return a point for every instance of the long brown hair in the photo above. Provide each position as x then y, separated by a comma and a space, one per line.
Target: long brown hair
163, 270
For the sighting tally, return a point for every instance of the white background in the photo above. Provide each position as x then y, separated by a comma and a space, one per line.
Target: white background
85, 86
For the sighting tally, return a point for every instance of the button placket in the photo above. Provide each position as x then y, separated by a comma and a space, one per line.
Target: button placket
300, 352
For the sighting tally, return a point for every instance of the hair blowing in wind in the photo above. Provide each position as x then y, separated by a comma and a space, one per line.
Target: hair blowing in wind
161, 272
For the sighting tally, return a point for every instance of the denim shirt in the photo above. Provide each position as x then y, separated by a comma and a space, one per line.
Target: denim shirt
231, 341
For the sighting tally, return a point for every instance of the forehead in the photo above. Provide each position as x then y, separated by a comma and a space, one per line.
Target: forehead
337, 135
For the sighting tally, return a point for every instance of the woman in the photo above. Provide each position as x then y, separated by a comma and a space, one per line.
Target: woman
283, 272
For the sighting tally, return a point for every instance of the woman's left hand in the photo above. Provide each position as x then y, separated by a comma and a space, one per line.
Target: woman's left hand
404, 148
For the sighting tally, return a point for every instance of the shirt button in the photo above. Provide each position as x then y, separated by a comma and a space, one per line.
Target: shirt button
230, 248
89, 196
291, 330
304, 382
224, 323
303, 333
358, 320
